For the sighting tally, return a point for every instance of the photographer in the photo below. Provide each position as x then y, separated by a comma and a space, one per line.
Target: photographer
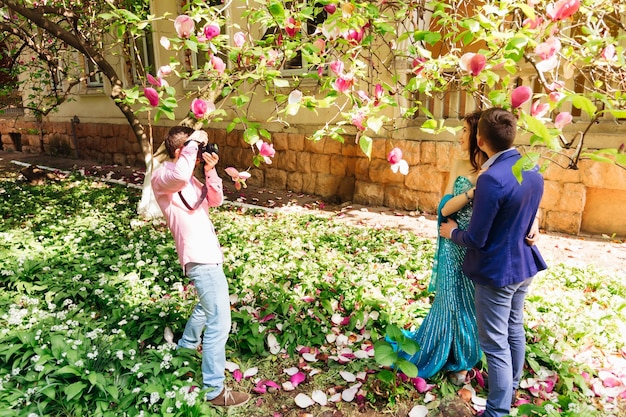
185, 203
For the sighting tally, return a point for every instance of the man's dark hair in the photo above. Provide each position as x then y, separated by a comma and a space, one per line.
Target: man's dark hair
497, 127
175, 138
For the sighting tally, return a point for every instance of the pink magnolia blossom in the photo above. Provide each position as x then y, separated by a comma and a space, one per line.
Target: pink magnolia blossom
292, 27
562, 120
417, 65
164, 71
237, 375
394, 156
152, 96
211, 31
539, 109
201, 108
320, 45
608, 53
330, 8
272, 56
358, 120
337, 67
354, 36
532, 23
547, 49
343, 84
562, 9
378, 94
184, 26
477, 64
153, 81
218, 64
165, 42
266, 150
239, 39
238, 177
555, 96
520, 96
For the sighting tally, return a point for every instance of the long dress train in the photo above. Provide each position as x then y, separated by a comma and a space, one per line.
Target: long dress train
448, 336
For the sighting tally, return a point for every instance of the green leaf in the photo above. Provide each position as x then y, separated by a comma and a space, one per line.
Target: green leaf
276, 9
384, 354
68, 370
71, 391
408, 368
251, 135
584, 104
386, 375
365, 143
281, 82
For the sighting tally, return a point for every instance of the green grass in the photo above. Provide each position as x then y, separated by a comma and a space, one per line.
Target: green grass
87, 290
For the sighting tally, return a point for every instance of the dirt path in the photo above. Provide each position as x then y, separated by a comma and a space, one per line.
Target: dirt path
580, 251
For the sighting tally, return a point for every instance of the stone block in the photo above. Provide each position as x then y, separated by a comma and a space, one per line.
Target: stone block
362, 168
234, 139
562, 222
308, 183
303, 162
425, 178
552, 193
369, 194
345, 191
555, 173
379, 149
314, 146
295, 181
276, 178
349, 148
428, 202
604, 212
339, 165
411, 152
257, 178
380, 172
326, 185
320, 163
280, 141
573, 198
332, 147
445, 152
401, 198
603, 175
428, 153
297, 142
119, 158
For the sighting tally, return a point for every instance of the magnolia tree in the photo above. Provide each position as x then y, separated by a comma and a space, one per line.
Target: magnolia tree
369, 57
372, 63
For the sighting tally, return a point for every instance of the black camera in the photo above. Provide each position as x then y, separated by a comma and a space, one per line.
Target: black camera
209, 147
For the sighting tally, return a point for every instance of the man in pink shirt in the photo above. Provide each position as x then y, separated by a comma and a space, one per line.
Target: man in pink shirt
185, 203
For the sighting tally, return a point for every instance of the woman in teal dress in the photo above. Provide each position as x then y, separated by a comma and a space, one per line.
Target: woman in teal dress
448, 336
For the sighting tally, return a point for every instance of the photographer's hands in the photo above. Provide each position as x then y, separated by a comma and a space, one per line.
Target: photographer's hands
210, 160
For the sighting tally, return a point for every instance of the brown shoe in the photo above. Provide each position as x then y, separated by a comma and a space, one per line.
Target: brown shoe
228, 398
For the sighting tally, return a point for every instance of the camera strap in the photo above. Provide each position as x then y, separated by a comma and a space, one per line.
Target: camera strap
202, 197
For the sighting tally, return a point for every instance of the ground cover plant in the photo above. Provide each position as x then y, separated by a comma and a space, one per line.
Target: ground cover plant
91, 299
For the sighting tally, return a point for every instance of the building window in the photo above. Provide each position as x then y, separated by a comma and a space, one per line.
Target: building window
142, 60
93, 74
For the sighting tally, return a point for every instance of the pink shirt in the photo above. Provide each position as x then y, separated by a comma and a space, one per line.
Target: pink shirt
193, 231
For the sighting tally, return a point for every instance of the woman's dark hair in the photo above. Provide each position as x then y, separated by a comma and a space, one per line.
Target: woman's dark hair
175, 138
476, 156
498, 128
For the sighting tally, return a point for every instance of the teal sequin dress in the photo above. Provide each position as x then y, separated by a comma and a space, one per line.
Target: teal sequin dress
448, 336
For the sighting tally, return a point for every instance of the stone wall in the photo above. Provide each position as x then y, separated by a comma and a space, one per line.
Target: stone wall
589, 200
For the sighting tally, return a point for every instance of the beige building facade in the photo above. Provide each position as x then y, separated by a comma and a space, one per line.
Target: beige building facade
587, 201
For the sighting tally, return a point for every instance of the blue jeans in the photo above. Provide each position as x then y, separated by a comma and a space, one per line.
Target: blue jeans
212, 314
500, 317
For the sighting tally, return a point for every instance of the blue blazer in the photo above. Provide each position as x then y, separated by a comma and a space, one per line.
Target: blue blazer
504, 210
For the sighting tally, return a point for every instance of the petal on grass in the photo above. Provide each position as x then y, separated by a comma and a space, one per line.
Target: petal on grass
231, 366
251, 372
418, 411
319, 397
347, 376
303, 400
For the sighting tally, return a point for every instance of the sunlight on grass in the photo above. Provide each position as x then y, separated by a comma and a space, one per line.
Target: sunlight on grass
87, 290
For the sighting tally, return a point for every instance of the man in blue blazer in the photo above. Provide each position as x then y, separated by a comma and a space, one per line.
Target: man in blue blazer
499, 260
